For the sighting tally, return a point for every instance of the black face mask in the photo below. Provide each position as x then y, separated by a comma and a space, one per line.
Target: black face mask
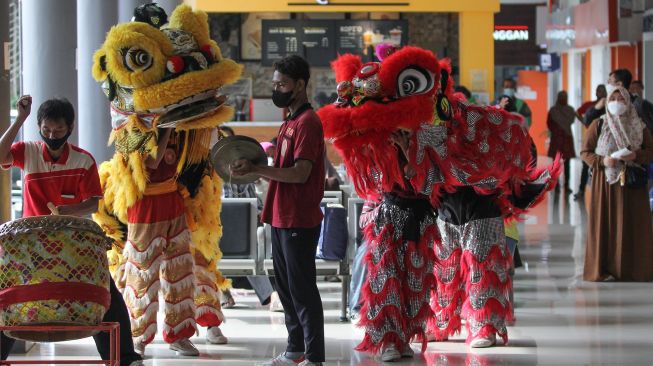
281, 99
55, 144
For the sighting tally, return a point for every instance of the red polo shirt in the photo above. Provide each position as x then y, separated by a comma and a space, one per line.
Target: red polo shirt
297, 205
73, 178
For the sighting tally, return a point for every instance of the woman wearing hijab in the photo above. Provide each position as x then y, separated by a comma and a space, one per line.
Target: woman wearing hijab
620, 236
559, 121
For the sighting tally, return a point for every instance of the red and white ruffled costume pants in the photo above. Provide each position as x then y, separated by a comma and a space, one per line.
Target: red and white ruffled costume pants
471, 269
397, 289
158, 261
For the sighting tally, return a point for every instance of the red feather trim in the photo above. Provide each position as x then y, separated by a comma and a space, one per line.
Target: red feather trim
346, 66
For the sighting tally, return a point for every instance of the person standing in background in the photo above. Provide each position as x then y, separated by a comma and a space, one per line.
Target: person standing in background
511, 103
580, 112
619, 233
559, 120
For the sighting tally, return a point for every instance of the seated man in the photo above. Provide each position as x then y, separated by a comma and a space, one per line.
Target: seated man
49, 160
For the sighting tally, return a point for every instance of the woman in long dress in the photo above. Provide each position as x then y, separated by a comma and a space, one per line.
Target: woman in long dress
620, 235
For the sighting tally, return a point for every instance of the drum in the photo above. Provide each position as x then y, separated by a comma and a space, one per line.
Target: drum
53, 271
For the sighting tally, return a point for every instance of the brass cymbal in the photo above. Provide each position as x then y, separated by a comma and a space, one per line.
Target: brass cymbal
232, 148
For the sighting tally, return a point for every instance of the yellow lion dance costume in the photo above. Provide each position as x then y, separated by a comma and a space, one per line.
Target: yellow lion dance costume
164, 75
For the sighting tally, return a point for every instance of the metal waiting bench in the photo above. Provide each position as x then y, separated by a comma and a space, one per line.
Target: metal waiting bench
243, 255
239, 244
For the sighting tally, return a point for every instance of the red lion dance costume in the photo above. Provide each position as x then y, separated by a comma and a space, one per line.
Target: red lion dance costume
460, 159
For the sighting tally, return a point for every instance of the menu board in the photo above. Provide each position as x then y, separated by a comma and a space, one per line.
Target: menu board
361, 36
311, 39
320, 41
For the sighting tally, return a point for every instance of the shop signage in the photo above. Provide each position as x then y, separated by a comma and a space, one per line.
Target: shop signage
320, 41
561, 31
511, 33
549, 62
361, 36
314, 40
585, 25
514, 36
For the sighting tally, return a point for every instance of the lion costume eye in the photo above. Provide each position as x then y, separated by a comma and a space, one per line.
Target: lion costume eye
136, 59
414, 80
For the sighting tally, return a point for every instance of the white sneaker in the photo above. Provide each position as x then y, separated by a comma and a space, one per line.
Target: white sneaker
184, 347
275, 303
139, 347
310, 363
482, 342
389, 353
214, 336
282, 360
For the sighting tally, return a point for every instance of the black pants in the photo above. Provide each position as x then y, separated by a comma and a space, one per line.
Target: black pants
293, 253
567, 173
584, 177
117, 312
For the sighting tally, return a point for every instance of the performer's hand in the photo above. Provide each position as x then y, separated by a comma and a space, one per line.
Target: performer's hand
609, 162
24, 107
600, 104
629, 157
504, 102
241, 167
53, 209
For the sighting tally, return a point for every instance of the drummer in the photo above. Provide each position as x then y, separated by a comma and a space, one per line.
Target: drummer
61, 178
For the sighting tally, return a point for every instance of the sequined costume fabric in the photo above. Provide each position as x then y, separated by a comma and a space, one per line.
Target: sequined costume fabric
472, 263
400, 278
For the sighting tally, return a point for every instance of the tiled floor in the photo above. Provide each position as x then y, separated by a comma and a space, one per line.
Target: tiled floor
561, 320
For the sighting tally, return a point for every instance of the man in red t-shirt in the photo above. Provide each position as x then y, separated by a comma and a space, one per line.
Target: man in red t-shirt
61, 178
292, 208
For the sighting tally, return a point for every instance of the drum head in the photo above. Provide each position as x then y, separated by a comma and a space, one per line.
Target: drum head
232, 148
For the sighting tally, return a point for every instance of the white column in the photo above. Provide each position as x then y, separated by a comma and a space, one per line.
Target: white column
575, 100
648, 64
49, 41
5, 181
126, 9
94, 18
168, 5
601, 65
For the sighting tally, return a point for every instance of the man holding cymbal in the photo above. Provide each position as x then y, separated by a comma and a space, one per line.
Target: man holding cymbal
292, 208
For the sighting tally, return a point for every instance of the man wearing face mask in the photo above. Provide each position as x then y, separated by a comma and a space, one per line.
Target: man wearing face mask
61, 178
643, 107
292, 208
622, 77
511, 103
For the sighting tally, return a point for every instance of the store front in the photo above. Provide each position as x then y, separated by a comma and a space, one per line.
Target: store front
258, 32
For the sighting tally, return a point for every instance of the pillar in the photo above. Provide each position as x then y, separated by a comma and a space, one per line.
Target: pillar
94, 19
476, 49
49, 41
5, 176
